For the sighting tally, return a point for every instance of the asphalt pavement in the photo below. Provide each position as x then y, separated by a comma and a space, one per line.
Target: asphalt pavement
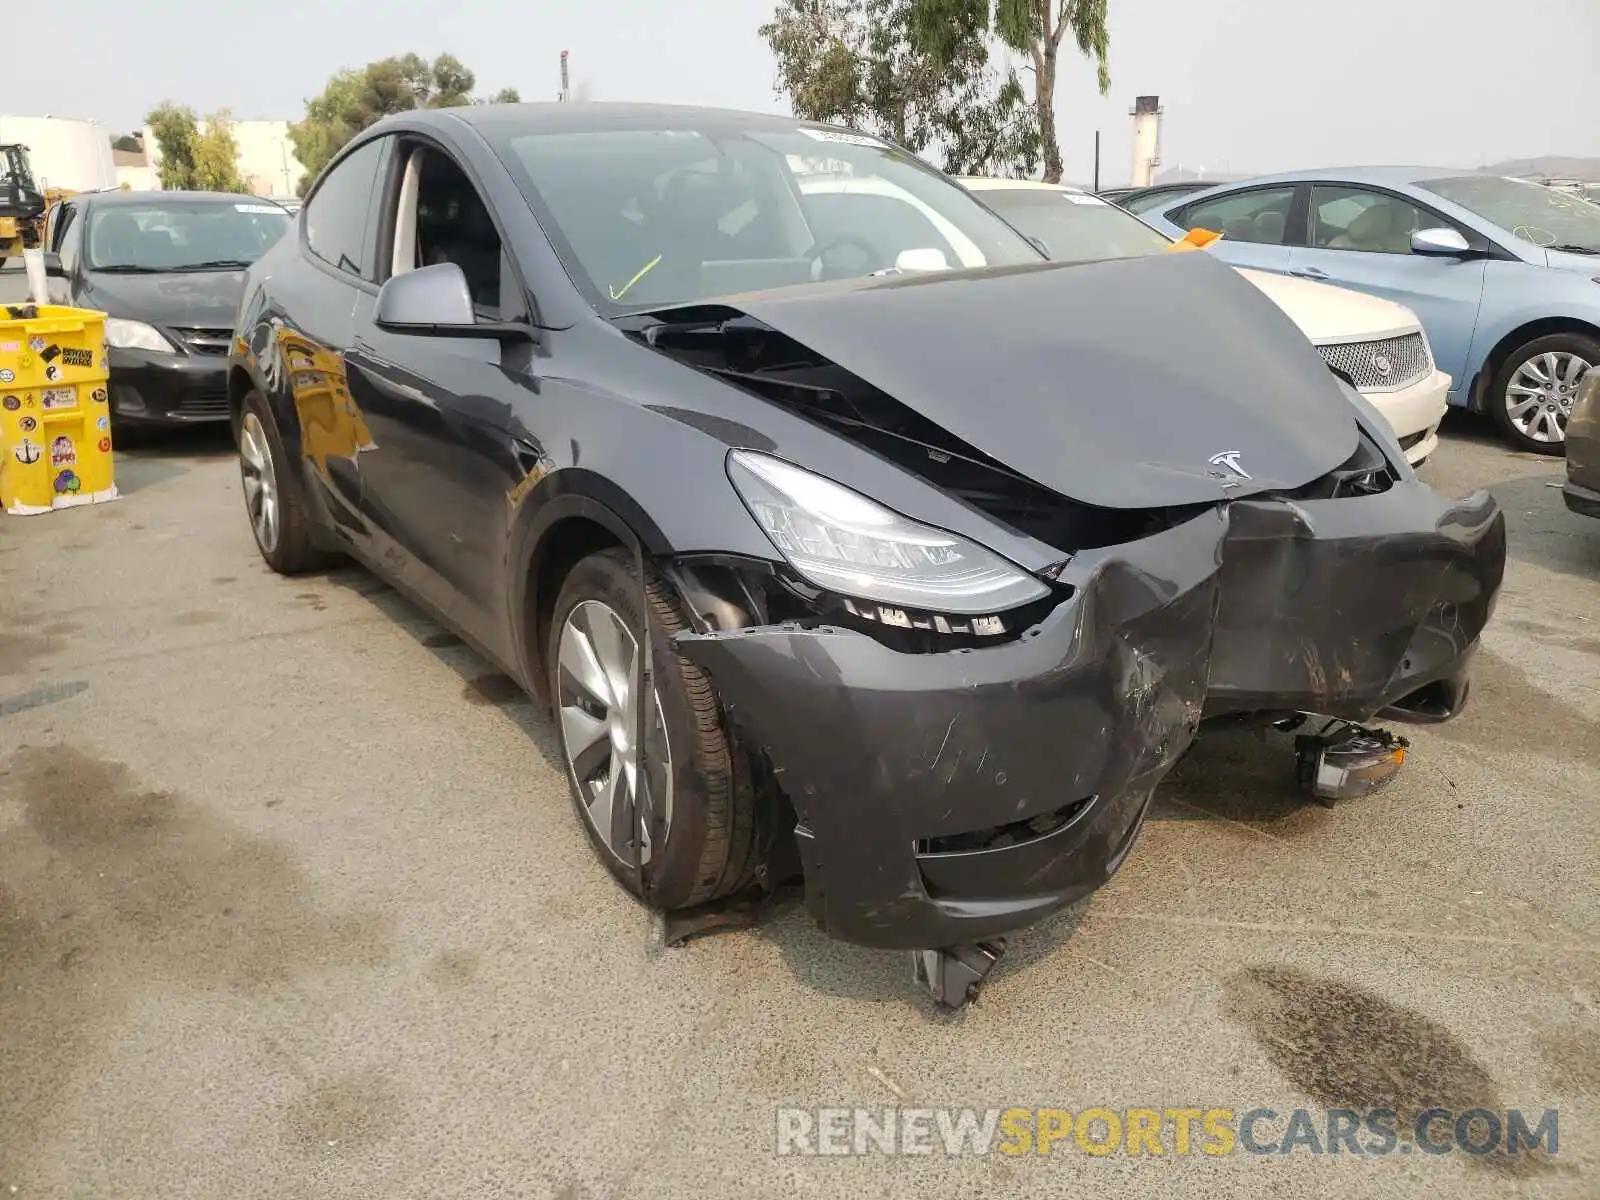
293, 903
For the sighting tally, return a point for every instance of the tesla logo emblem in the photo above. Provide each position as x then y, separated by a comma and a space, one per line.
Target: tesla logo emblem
1382, 365
1228, 460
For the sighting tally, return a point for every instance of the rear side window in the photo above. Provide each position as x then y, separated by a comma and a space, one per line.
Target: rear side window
1260, 216
337, 213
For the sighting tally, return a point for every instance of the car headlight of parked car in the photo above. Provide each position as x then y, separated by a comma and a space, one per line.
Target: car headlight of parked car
136, 335
839, 540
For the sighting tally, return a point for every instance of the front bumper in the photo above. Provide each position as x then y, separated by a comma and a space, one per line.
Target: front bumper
948, 798
1414, 413
168, 389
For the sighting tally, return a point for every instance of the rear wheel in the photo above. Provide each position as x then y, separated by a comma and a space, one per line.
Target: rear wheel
688, 788
1532, 393
274, 495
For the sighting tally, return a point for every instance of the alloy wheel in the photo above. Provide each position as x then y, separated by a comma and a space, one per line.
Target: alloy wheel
1539, 397
597, 662
260, 482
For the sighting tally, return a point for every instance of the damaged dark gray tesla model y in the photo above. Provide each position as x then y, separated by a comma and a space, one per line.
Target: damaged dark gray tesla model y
943, 552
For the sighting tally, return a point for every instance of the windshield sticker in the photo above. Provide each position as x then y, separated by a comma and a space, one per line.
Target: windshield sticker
269, 209
1081, 198
847, 139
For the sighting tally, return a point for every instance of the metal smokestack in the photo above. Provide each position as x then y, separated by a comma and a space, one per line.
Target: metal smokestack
566, 94
1146, 114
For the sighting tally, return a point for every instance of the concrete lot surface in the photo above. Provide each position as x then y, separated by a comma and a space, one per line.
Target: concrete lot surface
293, 903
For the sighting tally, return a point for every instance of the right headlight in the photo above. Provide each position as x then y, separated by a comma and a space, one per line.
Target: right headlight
839, 540
136, 335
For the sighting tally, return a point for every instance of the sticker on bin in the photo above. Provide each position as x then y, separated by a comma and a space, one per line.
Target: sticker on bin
36, 343
67, 482
28, 452
74, 357
62, 452
103, 424
51, 373
7, 375
58, 397
28, 424
10, 347
105, 445
98, 395
11, 403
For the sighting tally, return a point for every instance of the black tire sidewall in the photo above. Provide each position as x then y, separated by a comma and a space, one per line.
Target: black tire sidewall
294, 552
1580, 344
672, 874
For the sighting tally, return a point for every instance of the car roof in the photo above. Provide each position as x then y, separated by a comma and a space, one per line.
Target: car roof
603, 115
990, 183
148, 199
1376, 175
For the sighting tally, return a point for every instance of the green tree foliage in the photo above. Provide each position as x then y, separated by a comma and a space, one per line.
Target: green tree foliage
359, 97
192, 159
1037, 28
914, 71
216, 156
127, 142
175, 131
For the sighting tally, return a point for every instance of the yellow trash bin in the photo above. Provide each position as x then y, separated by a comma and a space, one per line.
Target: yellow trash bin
55, 419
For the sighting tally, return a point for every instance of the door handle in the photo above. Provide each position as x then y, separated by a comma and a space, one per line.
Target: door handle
1309, 273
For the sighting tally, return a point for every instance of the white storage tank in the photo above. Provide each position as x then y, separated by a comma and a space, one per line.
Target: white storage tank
65, 153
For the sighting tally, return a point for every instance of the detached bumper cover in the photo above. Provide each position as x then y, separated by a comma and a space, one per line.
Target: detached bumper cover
947, 798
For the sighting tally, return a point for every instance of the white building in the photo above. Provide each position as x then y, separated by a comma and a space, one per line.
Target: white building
64, 153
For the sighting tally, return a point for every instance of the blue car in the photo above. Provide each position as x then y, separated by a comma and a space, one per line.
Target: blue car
1504, 274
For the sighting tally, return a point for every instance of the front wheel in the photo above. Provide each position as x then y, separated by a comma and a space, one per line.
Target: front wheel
274, 495
1532, 393
684, 819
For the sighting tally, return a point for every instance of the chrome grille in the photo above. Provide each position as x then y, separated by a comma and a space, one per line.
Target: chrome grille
1363, 363
199, 339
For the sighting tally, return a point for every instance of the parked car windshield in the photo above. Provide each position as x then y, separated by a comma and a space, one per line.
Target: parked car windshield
1074, 226
182, 235
1530, 211
647, 217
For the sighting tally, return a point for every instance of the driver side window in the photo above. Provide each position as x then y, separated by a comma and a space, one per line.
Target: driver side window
440, 217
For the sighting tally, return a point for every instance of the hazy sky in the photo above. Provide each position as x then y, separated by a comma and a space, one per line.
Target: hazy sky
1247, 85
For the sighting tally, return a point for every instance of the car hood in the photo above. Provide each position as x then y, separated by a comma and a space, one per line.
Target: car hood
209, 299
1113, 383
1326, 313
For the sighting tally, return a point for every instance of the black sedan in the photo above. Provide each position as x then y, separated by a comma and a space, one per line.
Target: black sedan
167, 268
942, 553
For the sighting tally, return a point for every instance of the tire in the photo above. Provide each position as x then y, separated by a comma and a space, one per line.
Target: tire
710, 848
1547, 433
291, 547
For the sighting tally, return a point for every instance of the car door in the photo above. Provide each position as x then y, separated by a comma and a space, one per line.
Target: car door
438, 410
312, 335
64, 238
1360, 237
1256, 224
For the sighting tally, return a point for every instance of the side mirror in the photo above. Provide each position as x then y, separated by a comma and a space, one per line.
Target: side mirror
434, 301
1439, 243
52, 265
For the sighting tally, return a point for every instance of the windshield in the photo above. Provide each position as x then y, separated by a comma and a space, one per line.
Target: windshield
649, 217
178, 235
1529, 211
1074, 226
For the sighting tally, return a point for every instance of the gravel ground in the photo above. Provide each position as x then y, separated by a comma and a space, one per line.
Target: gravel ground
293, 903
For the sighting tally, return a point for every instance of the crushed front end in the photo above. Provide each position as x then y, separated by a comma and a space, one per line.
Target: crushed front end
947, 796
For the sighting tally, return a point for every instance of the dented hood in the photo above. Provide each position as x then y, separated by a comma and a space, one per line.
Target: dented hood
1114, 383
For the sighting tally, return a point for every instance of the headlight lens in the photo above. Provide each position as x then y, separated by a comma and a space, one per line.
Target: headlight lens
839, 540
136, 335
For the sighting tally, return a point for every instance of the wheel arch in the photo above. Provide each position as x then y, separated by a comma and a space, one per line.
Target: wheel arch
579, 514
1526, 332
